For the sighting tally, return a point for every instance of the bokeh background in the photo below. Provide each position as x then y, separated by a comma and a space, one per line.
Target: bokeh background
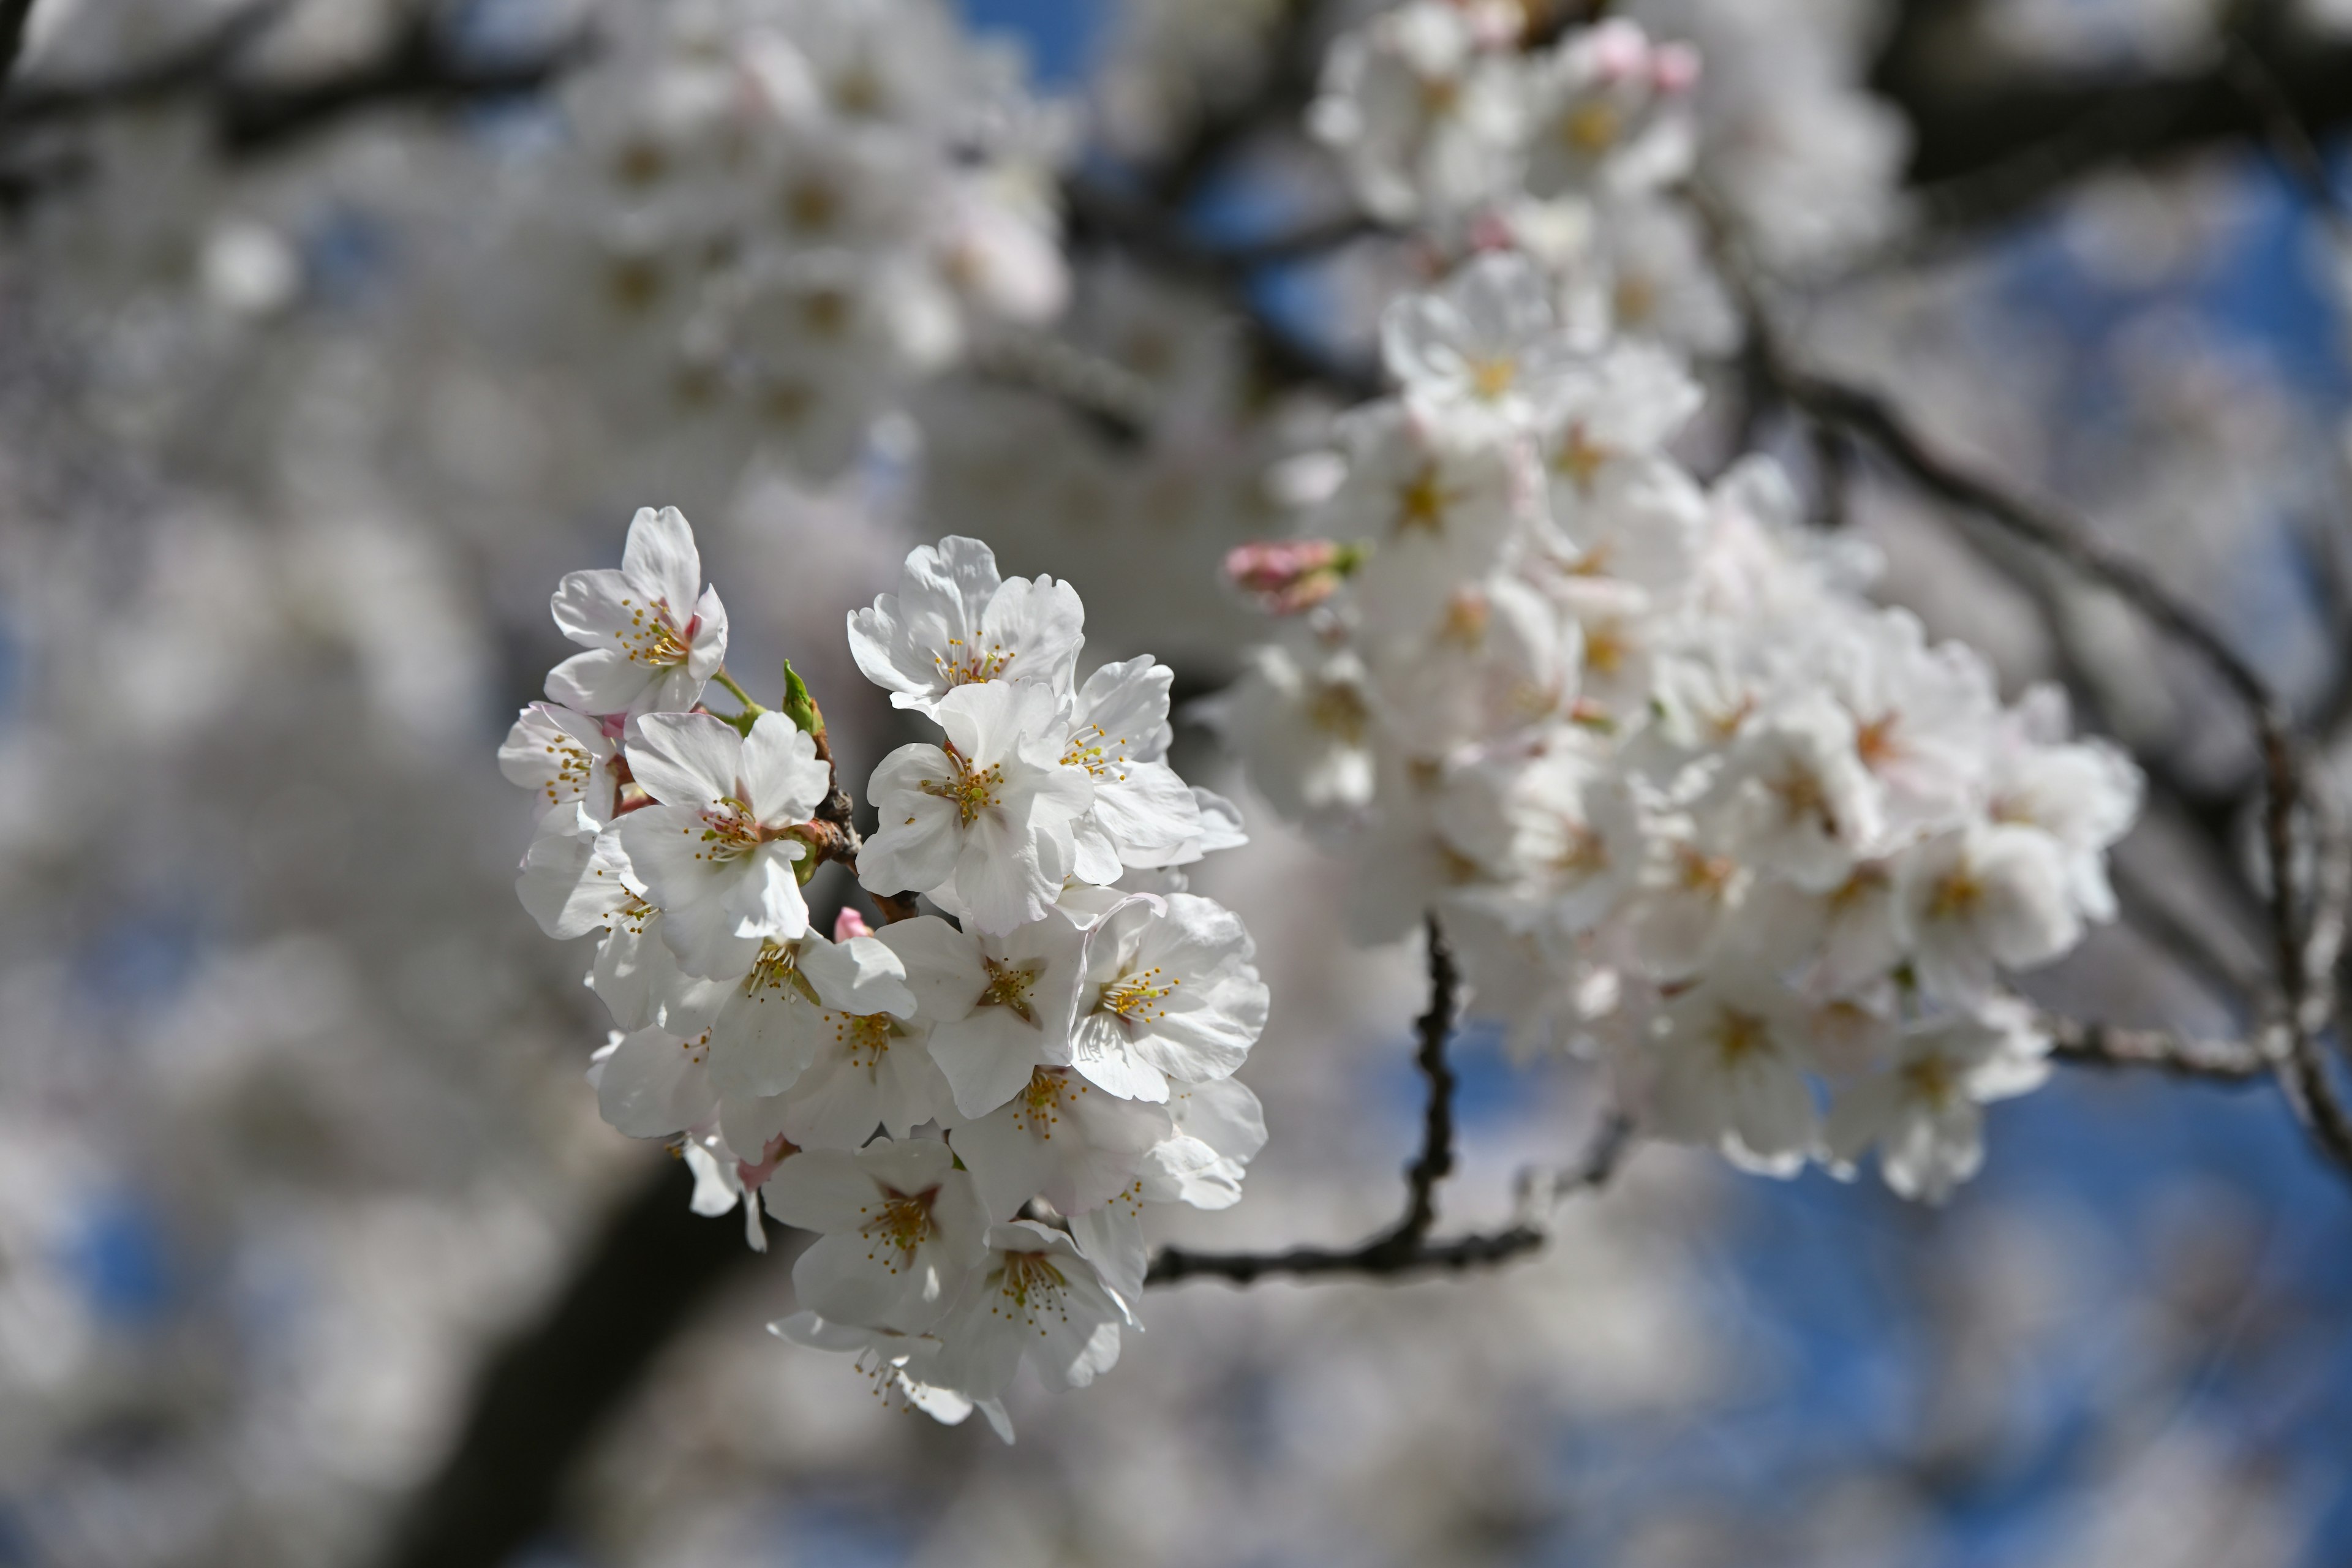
299, 1173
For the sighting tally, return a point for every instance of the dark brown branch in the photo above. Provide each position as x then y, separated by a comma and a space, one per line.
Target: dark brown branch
420, 66
1405, 1248
200, 66
1435, 1161
1292, 62
550, 1392
1988, 151
14, 15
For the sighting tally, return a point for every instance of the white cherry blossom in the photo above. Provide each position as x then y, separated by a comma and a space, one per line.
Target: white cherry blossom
655, 635
1166, 991
1034, 1298
955, 622
899, 1229
1062, 1138
1980, 900
716, 852
562, 756
998, 1006
1486, 351
1924, 1113
990, 818
1730, 1071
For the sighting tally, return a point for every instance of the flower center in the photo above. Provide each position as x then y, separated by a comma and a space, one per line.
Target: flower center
1739, 1036
1579, 458
970, 790
1957, 896
1930, 1080
573, 767
1708, 873
1876, 741
1491, 378
1582, 851
1039, 1106
1136, 997
653, 635
1802, 796
964, 665
1592, 128
730, 831
1097, 751
1008, 987
1422, 503
1030, 1285
865, 1038
776, 973
902, 1224
1338, 709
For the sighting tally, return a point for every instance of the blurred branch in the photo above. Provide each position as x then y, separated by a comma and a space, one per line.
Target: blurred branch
419, 65
1987, 151
14, 15
1290, 79
2081, 1044
1405, 1247
548, 1393
198, 66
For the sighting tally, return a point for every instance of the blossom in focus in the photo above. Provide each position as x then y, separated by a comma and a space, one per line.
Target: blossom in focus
655, 635
716, 851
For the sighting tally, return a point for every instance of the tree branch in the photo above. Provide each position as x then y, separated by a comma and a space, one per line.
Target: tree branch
419, 65
2081, 1044
14, 15
548, 1393
1981, 154
1405, 1248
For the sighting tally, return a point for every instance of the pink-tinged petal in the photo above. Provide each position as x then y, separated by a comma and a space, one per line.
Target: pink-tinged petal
780, 769
766, 898
602, 680
654, 1084
1101, 1052
1007, 1160
566, 884
686, 759
661, 562
861, 975
587, 607
707, 649
1031, 631
944, 965
916, 847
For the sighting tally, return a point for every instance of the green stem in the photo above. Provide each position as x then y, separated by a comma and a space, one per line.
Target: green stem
750, 708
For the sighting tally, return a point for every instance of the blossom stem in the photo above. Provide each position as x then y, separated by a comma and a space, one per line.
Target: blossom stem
750, 708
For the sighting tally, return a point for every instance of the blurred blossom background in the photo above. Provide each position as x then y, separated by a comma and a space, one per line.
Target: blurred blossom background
334, 332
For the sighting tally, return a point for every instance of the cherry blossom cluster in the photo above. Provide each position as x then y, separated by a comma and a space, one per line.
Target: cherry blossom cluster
1441, 121
971, 1109
1680, 795
805, 207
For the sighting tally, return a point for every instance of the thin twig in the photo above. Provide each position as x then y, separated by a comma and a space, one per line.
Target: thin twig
2081, 1044
1435, 1161
1405, 1248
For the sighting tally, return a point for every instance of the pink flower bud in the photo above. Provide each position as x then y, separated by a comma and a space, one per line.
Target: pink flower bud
1287, 575
850, 923
1674, 67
